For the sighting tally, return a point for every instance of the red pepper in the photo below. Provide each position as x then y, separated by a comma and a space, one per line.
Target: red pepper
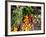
30, 18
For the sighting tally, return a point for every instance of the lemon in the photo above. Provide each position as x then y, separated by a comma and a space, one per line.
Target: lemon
26, 16
15, 29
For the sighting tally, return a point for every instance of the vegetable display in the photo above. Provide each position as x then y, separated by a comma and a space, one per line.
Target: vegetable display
23, 17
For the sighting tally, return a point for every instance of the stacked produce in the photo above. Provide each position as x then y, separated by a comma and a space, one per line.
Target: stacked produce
26, 26
23, 18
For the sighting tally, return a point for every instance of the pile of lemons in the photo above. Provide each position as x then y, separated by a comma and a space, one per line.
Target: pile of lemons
26, 26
